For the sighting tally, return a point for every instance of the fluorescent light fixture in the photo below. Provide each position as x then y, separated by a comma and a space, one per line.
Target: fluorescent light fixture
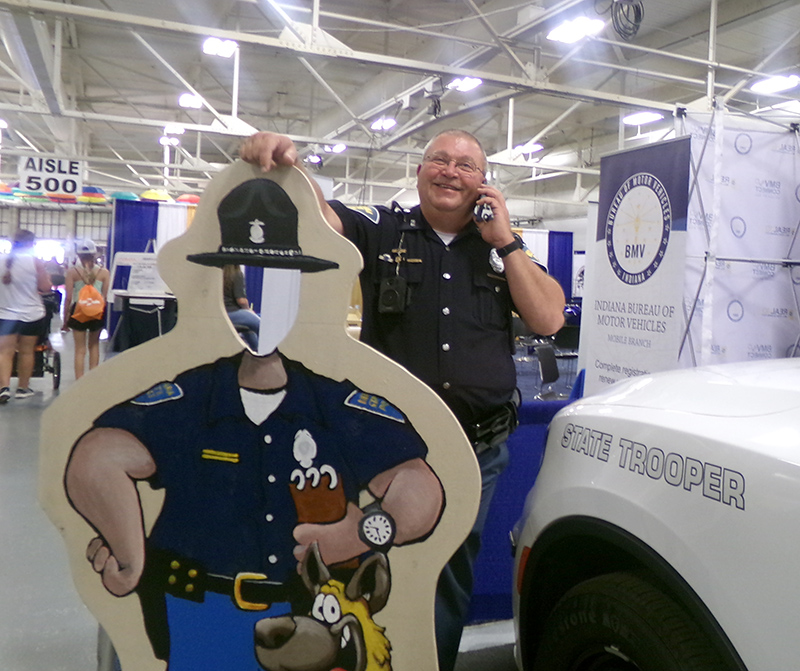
465, 84
213, 46
775, 84
174, 129
642, 118
528, 148
190, 101
337, 148
384, 123
791, 107
570, 32
168, 141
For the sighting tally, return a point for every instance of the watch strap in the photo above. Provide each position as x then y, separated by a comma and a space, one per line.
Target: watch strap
510, 247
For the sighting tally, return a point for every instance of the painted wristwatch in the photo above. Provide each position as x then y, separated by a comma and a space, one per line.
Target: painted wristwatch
376, 528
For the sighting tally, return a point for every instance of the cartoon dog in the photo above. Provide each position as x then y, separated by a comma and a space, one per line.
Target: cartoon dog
339, 634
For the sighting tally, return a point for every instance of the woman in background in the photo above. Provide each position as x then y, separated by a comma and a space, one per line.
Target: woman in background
23, 278
86, 335
237, 306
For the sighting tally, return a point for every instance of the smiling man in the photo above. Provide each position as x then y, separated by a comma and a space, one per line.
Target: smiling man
439, 287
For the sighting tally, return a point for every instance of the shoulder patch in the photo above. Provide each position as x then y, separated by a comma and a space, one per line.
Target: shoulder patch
161, 393
361, 400
367, 211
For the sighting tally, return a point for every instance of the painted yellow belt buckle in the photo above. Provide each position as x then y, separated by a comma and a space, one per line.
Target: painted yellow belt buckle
237, 591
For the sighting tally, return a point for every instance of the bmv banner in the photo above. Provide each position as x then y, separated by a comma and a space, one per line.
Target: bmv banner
632, 321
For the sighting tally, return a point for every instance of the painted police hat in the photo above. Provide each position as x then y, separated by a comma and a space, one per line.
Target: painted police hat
258, 226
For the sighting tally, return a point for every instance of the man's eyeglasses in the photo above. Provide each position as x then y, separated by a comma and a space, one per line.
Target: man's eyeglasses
441, 161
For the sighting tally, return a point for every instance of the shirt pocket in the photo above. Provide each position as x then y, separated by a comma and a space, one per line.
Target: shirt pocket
492, 304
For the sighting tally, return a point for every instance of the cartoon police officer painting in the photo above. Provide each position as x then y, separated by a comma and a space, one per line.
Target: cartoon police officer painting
261, 461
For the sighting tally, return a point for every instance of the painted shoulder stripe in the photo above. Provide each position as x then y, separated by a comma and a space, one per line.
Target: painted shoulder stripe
161, 393
374, 404
367, 211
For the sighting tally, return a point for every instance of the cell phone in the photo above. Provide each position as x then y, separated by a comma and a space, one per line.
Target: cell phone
482, 212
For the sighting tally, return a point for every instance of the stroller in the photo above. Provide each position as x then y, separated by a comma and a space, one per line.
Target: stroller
46, 359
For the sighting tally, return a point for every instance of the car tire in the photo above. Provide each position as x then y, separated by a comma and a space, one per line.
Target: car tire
621, 622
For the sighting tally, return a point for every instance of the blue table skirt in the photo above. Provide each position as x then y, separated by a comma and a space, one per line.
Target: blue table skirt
494, 568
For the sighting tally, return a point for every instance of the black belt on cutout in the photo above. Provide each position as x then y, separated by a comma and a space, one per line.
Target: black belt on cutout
187, 579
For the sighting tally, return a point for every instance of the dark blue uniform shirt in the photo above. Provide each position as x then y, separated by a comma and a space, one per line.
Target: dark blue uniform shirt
455, 333
228, 482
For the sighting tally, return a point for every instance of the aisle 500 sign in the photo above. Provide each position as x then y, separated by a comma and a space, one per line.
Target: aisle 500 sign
51, 175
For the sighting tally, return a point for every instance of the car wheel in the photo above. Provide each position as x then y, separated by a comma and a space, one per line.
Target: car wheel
620, 622
56, 370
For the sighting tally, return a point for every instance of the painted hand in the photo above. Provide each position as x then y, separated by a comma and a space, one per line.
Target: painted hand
337, 542
118, 578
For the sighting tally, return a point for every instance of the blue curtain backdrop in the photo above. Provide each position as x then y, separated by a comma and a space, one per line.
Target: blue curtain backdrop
133, 229
559, 259
253, 277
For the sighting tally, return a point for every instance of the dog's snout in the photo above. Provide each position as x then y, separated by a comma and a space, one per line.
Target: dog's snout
273, 633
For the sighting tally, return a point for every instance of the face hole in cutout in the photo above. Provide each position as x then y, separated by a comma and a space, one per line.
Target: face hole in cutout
237, 307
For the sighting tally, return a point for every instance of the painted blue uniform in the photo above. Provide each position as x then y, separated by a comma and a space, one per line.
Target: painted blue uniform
231, 493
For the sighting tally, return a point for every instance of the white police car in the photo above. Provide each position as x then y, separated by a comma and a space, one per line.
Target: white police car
663, 531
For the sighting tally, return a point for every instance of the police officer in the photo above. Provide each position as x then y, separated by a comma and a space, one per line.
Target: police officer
439, 286
259, 457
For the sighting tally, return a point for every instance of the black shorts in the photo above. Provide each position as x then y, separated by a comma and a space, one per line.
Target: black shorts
92, 325
16, 327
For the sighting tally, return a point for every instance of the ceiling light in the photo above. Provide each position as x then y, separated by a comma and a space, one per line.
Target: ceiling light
168, 141
3, 124
190, 101
642, 118
528, 148
775, 84
384, 123
787, 107
213, 46
465, 84
570, 32
337, 148
314, 158
174, 129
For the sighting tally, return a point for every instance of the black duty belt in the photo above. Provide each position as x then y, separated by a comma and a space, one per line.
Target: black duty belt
495, 427
187, 579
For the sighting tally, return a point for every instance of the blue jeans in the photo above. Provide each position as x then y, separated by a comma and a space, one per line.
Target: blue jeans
454, 589
249, 320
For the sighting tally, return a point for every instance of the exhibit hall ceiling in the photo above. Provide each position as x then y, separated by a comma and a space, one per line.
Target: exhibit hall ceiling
100, 81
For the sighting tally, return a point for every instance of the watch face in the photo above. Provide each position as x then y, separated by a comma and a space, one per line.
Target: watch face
377, 529
638, 227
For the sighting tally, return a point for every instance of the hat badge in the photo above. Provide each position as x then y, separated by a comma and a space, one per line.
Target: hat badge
257, 231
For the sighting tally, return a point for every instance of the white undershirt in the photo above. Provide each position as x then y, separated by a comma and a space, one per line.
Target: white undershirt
257, 406
446, 238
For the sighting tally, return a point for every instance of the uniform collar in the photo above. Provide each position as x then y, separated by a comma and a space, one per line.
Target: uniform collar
225, 401
414, 220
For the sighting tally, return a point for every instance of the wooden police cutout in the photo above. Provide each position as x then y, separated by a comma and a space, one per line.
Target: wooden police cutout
169, 415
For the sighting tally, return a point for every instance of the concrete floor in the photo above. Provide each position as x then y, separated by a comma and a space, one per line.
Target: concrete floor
44, 626
43, 623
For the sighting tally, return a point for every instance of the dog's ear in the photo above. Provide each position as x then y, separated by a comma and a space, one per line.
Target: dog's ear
313, 569
371, 581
